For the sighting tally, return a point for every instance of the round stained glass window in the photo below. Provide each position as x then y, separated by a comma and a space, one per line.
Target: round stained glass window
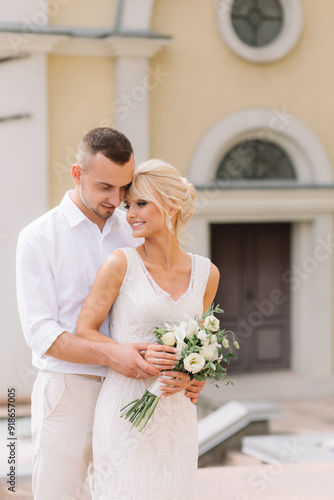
256, 159
257, 22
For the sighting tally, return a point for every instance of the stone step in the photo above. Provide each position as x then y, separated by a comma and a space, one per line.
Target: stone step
235, 458
231, 418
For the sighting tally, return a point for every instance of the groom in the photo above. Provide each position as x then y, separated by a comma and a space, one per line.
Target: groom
58, 256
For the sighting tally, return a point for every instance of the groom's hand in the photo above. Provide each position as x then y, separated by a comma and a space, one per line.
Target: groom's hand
126, 360
193, 390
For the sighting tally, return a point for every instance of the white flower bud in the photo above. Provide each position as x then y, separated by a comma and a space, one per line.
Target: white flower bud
225, 343
168, 338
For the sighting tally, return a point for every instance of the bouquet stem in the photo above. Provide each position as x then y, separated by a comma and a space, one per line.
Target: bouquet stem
149, 411
141, 409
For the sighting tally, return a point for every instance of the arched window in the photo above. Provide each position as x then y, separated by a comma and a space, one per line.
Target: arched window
302, 149
256, 159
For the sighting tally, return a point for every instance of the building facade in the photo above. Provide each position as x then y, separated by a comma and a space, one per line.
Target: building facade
235, 94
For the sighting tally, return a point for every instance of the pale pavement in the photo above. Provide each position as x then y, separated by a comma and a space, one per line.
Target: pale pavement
307, 406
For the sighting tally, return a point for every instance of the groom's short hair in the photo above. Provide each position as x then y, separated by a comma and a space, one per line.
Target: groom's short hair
108, 141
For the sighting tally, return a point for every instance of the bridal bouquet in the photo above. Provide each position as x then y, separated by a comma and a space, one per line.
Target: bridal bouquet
199, 343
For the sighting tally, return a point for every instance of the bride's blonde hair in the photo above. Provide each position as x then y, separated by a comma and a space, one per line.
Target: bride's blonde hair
158, 177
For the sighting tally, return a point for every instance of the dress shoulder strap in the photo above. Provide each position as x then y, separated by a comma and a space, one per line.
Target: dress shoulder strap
128, 252
202, 271
132, 262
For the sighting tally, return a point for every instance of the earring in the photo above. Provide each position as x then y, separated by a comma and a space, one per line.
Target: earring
169, 223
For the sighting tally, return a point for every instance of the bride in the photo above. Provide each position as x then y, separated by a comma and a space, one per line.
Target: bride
146, 286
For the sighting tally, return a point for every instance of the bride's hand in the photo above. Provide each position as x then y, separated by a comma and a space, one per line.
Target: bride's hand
194, 390
177, 383
162, 357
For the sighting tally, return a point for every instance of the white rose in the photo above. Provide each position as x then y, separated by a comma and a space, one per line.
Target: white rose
211, 323
213, 339
209, 352
168, 338
215, 355
194, 362
202, 335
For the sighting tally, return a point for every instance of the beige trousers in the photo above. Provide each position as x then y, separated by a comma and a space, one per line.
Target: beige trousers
62, 423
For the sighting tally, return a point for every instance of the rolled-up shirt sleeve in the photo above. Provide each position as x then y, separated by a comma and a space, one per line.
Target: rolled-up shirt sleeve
36, 293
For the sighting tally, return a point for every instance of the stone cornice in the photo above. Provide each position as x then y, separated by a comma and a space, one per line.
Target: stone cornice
270, 204
16, 39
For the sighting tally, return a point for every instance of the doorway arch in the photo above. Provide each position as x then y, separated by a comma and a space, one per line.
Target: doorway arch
309, 157
307, 203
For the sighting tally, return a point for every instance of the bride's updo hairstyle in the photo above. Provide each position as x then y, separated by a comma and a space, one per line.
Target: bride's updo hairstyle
156, 177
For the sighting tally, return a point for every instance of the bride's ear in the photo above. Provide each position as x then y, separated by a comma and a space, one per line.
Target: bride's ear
173, 210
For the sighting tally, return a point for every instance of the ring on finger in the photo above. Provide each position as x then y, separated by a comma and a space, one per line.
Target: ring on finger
156, 361
138, 375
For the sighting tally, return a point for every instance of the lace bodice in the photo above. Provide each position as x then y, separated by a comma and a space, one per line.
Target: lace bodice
161, 461
142, 305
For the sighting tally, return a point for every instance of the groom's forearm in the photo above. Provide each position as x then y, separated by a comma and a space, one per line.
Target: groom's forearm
123, 358
74, 349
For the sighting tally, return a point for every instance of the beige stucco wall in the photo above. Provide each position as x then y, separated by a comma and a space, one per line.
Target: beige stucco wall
206, 80
100, 14
80, 98
202, 81
80, 90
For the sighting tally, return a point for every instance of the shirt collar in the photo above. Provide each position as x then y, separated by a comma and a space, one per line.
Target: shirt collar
72, 213
75, 216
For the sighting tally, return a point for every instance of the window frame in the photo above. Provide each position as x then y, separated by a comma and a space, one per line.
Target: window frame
287, 38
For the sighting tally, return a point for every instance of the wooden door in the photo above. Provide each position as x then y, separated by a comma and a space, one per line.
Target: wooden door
252, 259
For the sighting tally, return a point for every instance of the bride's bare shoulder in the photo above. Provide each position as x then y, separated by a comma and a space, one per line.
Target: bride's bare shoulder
214, 274
116, 261
211, 287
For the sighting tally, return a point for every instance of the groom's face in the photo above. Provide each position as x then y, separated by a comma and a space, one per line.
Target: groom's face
103, 184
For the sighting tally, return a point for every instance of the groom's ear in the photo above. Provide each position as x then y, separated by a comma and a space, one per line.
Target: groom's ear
76, 174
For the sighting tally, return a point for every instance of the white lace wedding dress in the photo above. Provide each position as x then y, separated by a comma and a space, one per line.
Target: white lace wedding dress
160, 462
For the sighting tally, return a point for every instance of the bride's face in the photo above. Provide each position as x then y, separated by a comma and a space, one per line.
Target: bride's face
144, 217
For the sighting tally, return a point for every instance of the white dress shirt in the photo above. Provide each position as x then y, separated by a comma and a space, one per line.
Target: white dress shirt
58, 256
